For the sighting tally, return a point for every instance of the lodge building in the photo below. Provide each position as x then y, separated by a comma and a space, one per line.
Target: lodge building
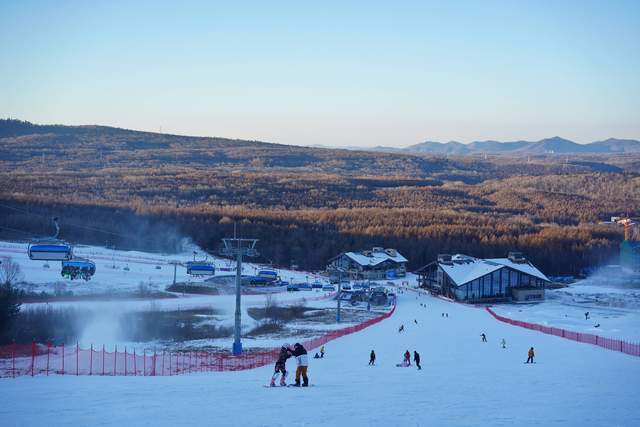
468, 279
375, 264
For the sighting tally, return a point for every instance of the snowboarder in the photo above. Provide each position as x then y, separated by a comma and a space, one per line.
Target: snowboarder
280, 368
597, 325
531, 355
407, 358
416, 321
442, 314
484, 337
401, 328
317, 356
302, 361
322, 352
586, 316
372, 358
416, 359
447, 315
504, 343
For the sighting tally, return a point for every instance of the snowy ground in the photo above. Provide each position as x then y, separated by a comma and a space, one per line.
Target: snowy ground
463, 382
612, 300
111, 276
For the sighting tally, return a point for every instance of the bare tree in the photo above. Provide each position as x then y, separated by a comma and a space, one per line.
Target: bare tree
10, 271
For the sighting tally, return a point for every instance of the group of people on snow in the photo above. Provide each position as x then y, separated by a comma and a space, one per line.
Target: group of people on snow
302, 363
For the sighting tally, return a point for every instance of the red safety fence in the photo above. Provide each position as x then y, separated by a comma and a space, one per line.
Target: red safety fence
48, 359
632, 349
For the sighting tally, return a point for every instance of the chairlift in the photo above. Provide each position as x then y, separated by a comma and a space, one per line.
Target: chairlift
200, 268
77, 268
51, 248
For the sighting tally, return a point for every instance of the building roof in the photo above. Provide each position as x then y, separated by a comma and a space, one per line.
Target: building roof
375, 258
464, 268
525, 267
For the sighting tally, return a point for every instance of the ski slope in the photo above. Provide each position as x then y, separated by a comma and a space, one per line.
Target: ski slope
111, 276
613, 303
464, 382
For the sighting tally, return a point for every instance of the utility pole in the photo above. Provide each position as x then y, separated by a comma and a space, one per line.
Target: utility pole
340, 270
237, 247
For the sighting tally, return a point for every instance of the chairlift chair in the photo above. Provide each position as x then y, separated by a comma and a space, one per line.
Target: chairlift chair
51, 248
200, 268
78, 268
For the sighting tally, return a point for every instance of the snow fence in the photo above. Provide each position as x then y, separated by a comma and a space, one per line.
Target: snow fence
632, 349
48, 359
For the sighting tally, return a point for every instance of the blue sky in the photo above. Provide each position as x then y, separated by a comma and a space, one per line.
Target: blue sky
333, 73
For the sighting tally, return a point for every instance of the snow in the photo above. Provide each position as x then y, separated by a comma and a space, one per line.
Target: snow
471, 269
524, 267
110, 280
463, 382
375, 258
612, 300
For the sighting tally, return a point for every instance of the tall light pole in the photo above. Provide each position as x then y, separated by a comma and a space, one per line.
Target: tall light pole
340, 270
237, 247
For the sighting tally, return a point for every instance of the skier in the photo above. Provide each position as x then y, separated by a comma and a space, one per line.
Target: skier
372, 358
531, 355
416, 321
416, 358
280, 368
504, 343
484, 337
407, 358
322, 352
302, 360
401, 328
317, 356
586, 316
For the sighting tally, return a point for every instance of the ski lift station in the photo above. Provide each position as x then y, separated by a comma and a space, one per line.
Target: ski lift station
468, 279
375, 264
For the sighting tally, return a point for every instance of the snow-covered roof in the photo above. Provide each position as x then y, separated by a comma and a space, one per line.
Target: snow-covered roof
375, 258
464, 268
524, 267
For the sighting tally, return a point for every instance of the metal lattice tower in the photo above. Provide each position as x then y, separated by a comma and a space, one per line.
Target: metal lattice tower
237, 248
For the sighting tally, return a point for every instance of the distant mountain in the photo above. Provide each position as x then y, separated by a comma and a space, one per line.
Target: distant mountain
451, 147
554, 145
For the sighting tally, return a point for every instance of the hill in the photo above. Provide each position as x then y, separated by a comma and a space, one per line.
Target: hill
307, 204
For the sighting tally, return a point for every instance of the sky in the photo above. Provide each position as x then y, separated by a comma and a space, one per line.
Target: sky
331, 73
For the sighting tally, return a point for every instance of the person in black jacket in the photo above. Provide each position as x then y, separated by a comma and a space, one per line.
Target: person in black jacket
416, 359
280, 368
300, 353
372, 358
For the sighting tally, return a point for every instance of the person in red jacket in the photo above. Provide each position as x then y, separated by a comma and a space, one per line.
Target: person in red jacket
407, 358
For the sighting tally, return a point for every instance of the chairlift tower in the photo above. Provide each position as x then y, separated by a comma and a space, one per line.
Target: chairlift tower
237, 247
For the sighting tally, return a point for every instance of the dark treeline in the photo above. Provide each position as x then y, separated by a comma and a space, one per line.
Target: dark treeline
309, 238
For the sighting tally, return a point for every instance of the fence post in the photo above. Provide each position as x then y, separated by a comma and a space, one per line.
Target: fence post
154, 363
125, 360
169, 363
103, 360
162, 372
77, 359
115, 359
144, 362
134, 363
189, 362
91, 360
48, 353
13, 359
33, 355
63, 358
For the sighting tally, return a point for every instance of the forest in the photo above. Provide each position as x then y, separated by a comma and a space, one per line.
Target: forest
148, 191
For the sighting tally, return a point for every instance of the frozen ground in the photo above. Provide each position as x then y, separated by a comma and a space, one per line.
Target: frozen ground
464, 382
612, 300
